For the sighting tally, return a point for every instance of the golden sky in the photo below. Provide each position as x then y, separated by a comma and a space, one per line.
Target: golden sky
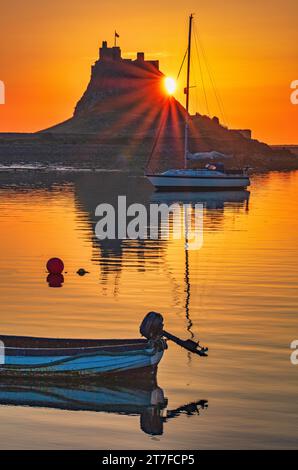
47, 48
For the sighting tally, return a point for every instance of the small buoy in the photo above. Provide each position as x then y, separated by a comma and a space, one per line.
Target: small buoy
82, 272
55, 266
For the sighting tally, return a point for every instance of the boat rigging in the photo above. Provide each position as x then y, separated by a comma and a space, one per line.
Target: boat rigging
214, 176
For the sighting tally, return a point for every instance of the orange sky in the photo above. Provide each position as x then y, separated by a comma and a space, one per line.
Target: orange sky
47, 48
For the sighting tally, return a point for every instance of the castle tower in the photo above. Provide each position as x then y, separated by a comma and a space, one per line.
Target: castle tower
109, 53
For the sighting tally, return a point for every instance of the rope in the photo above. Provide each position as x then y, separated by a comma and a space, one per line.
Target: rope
202, 76
211, 78
182, 63
162, 120
155, 143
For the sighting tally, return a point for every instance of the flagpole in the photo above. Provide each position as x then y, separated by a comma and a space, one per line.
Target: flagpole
116, 35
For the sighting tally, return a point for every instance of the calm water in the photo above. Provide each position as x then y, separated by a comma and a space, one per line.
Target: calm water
237, 294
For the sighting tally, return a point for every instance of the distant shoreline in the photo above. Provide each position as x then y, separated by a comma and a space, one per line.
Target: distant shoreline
124, 153
43, 169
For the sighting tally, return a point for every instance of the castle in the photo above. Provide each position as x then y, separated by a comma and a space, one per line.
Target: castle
108, 54
115, 81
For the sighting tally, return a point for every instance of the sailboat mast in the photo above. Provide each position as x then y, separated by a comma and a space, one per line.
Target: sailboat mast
187, 91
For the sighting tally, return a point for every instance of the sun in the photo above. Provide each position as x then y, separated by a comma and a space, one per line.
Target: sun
170, 85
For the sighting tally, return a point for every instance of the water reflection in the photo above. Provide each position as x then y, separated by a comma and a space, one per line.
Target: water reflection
55, 280
146, 400
210, 199
138, 256
91, 189
240, 295
141, 255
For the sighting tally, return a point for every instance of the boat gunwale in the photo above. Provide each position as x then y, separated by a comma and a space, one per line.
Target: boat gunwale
19, 342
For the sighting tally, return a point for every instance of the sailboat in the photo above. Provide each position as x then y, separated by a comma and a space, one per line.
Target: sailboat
214, 176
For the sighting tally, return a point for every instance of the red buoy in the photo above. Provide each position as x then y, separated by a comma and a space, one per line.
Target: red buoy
55, 266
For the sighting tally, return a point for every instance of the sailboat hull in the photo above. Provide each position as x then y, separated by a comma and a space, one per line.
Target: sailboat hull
196, 183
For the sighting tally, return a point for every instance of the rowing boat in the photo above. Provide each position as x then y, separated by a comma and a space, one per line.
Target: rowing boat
47, 356
51, 357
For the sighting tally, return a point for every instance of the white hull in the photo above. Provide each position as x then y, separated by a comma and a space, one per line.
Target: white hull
188, 183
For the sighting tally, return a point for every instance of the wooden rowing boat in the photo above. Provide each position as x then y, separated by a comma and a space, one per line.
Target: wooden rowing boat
47, 357
51, 357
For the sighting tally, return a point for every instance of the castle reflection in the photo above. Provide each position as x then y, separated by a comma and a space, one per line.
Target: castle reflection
135, 257
106, 187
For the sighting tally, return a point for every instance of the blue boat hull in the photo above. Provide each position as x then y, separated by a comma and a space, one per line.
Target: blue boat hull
51, 357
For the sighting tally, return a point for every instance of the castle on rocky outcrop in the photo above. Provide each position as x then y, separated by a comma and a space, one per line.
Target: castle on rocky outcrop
124, 116
115, 81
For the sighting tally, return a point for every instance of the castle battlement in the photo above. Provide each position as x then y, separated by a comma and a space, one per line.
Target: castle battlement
107, 54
